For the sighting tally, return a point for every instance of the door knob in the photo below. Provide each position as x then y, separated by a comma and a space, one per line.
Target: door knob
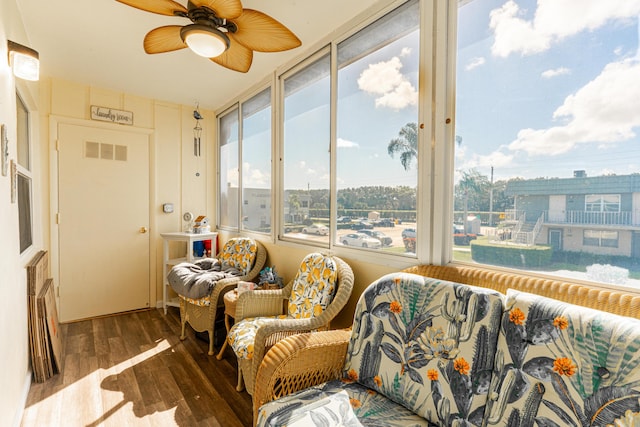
143, 230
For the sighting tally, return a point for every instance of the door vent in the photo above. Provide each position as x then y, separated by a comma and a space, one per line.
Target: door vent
97, 150
121, 153
92, 150
106, 151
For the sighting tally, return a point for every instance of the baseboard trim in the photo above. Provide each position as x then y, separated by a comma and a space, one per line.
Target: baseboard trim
23, 401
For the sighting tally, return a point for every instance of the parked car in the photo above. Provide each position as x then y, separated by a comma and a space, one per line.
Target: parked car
409, 233
385, 222
384, 239
461, 238
360, 239
409, 239
319, 229
344, 219
362, 225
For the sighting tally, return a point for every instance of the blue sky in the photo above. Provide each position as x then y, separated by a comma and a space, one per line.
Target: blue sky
548, 87
543, 88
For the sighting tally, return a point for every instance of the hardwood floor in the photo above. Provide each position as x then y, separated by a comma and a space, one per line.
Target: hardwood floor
132, 369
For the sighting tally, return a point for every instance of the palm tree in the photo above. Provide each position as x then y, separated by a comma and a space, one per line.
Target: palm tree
470, 182
406, 144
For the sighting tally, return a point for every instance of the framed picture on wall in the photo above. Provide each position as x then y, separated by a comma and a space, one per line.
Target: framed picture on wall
4, 146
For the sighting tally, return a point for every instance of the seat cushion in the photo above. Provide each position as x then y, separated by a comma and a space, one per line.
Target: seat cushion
313, 287
427, 344
560, 364
336, 403
243, 334
201, 302
238, 253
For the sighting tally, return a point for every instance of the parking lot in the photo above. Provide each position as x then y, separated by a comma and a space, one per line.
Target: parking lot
394, 232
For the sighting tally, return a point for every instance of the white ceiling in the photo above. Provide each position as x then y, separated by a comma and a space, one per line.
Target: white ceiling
99, 43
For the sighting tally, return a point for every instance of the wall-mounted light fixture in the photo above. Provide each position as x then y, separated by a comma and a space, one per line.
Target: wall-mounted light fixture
24, 61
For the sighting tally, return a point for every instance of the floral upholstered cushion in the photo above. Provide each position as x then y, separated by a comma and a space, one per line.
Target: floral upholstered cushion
426, 344
336, 403
243, 334
200, 302
313, 287
564, 365
239, 253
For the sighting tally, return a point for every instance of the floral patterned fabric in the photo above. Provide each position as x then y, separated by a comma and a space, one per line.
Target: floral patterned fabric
313, 290
200, 302
337, 403
238, 253
313, 287
565, 365
427, 344
421, 353
243, 334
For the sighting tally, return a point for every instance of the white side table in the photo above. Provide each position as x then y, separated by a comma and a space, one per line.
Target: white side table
167, 263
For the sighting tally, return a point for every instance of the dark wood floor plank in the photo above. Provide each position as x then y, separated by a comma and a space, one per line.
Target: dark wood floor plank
132, 369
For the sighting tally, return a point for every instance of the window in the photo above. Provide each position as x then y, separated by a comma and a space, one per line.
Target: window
228, 169
377, 130
540, 128
602, 203
245, 136
373, 175
24, 177
306, 144
256, 162
600, 238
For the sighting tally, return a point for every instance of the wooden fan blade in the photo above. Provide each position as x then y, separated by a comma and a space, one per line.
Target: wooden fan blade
262, 33
236, 58
226, 9
164, 39
162, 7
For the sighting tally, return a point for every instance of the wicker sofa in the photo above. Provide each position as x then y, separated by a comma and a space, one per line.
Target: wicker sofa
463, 346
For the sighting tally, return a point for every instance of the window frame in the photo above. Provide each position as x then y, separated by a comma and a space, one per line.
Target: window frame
237, 106
615, 243
601, 203
434, 159
430, 104
25, 172
281, 78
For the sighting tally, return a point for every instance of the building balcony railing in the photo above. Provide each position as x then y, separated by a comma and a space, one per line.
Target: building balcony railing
593, 218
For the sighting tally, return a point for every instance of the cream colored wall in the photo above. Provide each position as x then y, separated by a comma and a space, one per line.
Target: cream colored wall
177, 176
15, 374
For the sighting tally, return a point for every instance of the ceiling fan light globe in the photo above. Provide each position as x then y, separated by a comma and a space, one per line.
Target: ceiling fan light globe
205, 41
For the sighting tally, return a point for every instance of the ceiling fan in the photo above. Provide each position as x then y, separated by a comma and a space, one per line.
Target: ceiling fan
221, 30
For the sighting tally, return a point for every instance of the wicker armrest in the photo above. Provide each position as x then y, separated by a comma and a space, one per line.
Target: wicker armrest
298, 362
260, 303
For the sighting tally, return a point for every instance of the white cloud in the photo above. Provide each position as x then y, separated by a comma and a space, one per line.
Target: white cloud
302, 164
604, 111
561, 71
406, 51
497, 159
385, 80
475, 63
554, 20
254, 177
343, 143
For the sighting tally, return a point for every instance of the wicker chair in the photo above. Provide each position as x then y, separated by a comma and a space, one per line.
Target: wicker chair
245, 254
262, 319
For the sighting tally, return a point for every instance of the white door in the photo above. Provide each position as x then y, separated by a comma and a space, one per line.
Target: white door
557, 208
103, 188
